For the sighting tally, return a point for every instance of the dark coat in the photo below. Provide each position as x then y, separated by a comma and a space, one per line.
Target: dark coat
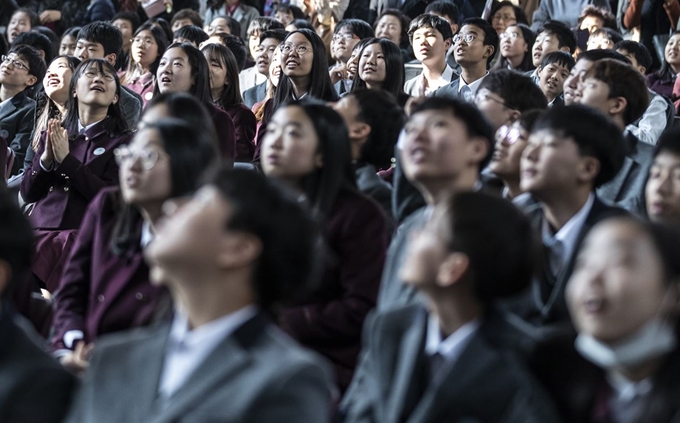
244, 126
16, 126
373, 186
226, 133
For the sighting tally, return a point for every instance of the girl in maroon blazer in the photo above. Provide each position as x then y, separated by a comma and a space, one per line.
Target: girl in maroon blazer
306, 146
73, 162
105, 286
148, 45
226, 94
183, 68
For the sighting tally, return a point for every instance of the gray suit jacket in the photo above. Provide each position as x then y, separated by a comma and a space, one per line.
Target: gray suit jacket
373, 186
254, 95
450, 90
17, 120
131, 106
257, 374
482, 385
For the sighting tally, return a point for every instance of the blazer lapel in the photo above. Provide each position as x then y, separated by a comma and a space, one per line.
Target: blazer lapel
9, 108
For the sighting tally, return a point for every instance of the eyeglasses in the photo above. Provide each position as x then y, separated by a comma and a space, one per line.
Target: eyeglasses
504, 18
300, 49
480, 97
346, 36
15, 63
90, 74
147, 157
468, 38
148, 42
509, 135
511, 35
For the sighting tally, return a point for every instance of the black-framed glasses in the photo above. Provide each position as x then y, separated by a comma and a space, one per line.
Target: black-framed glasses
468, 38
147, 157
92, 74
345, 36
14, 62
486, 97
300, 49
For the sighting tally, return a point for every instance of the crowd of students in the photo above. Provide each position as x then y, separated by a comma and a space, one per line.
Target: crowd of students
418, 211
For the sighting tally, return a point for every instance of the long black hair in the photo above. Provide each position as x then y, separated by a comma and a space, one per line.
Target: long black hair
665, 73
199, 69
394, 67
231, 95
527, 62
115, 123
134, 69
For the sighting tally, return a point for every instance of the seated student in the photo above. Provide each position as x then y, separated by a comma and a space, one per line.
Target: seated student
306, 146
561, 167
230, 255
583, 64
593, 18
240, 12
190, 34
431, 38
434, 363
21, 68
225, 94
392, 25
105, 285
22, 20
223, 25
127, 23
564, 11
659, 113
148, 45
373, 120
27, 373
73, 162
101, 40
505, 13
450, 13
185, 17
551, 36
554, 70
233, 43
264, 54
381, 68
67, 43
511, 140
515, 49
603, 38
475, 46
623, 364
662, 191
619, 91
38, 41
504, 95
287, 13
662, 81
251, 76
346, 35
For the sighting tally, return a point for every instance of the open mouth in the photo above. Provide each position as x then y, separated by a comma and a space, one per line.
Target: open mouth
97, 88
166, 79
53, 82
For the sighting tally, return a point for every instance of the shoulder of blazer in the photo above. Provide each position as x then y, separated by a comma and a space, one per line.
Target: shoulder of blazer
22, 100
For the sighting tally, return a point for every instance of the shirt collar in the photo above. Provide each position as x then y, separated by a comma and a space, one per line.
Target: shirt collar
568, 233
451, 347
82, 128
474, 86
147, 235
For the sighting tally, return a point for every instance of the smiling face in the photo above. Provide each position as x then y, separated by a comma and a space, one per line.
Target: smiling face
389, 27
574, 82
174, 72
672, 51
372, 68
19, 23
662, 193
552, 79
275, 70
96, 87
144, 49
140, 185
545, 43
429, 45
618, 284
294, 63
290, 146
57, 80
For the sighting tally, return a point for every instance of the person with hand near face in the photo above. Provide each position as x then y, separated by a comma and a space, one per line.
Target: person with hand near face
346, 35
662, 191
431, 39
148, 44
74, 161
553, 72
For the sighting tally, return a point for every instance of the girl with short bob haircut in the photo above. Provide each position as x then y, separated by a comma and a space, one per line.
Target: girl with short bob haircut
148, 44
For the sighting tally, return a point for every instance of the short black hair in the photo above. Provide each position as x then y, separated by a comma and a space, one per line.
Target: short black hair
36, 40
277, 34
233, 24
600, 54
32, 16
430, 21
611, 34
302, 24
294, 10
565, 36
131, 17
263, 23
16, 240
36, 64
105, 34
488, 229
528, 119
517, 90
357, 27
445, 8
288, 235
520, 15
638, 50
192, 33
608, 19
404, 21
669, 142
190, 14
490, 36
237, 47
560, 57
474, 121
594, 133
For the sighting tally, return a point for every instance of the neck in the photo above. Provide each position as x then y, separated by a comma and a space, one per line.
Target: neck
472, 73
434, 72
216, 93
618, 121
89, 115
438, 192
300, 85
515, 60
355, 146
675, 68
374, 86
61, 107
513, 187
550, 97
642, 371
7, 92
564, 206
453, 311
151, 213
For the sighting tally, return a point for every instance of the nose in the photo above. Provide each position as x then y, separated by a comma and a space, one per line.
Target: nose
530, 153
663, 183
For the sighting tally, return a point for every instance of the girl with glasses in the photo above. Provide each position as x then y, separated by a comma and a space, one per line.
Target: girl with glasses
515, 47
148, 44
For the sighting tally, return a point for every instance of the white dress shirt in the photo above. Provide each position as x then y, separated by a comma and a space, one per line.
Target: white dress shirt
473, 87
415, 87
652, 123
453, 346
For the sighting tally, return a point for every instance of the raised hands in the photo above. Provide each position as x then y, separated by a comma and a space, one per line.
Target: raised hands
56, 144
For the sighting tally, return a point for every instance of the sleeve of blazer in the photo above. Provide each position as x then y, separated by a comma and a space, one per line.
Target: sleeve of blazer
530, 405
36, 182
45, 397
22, 139
131, 106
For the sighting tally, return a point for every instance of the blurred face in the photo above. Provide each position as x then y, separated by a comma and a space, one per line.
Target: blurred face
342, 44
174, 72
550, 163
145, 176
15, 73
672, 51
662, 192
218, 25
253, 41
19, 23
389, 27
284, 17
372, 68
87, 50
144, 49
353, 62
504, 17
67, 46
179, 23
427, 250
218, 72
57, 80
474, 51
510, 143
545, 43
454, 25
265, 53
513, 43
347, 107
493, 107
429, 45
126, 31
290, 146
275, 68
601, 42
633, 61
96, 88
436, 147
552, 79
574, 82
595, 93
297, 56
617, 285
591, 23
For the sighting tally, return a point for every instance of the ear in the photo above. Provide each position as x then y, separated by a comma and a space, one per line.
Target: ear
642, 70
238, 249
115, 99
489, 51
514, 115
455, 28
447, 43
5, 275
318, 160
565, 48
111, 58
452, 269
479, 149
539, 69
588, 169
617, 105
359, 131
31, 80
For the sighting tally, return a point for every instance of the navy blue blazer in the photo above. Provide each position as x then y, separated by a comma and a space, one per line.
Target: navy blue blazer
16, 126
449, 90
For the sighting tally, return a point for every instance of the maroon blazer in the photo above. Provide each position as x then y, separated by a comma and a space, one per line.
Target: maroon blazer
62, 195
226, 133
101, 292
143, 86
331, 318
245, 124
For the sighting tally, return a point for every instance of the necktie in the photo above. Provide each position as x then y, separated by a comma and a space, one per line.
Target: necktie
466, 93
